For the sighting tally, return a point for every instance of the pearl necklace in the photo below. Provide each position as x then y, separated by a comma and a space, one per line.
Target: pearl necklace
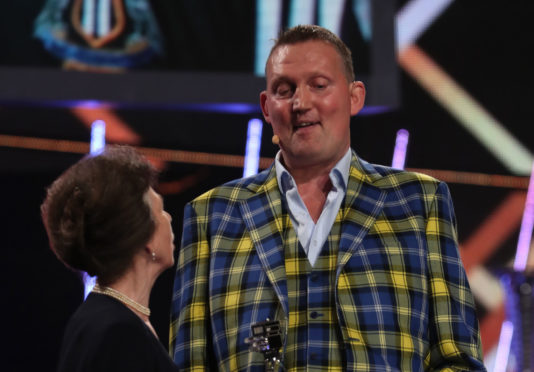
122, 298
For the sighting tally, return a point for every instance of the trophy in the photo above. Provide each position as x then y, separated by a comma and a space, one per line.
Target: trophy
267, 339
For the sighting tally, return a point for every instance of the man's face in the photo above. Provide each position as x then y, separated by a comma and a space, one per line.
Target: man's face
309, 102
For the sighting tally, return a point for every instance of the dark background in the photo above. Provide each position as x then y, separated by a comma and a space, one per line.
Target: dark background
483, 45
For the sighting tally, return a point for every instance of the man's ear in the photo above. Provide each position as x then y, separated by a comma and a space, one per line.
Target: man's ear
357, 97
263, 104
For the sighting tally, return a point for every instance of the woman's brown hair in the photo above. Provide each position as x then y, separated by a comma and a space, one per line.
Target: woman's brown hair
96, 213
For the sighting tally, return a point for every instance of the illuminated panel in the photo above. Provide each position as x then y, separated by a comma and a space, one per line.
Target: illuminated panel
401, 145
415, 17
88, 16
503, 350
525, 234
98, 137
330, 14
98, 143
252, 150
88, 282
362, 12
493, 135
301, 12
104, 17
268, 15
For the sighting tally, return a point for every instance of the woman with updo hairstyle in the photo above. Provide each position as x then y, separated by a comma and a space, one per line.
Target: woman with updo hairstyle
103, 217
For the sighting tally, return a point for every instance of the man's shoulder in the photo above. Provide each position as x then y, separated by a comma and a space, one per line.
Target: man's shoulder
400, 187
387, 177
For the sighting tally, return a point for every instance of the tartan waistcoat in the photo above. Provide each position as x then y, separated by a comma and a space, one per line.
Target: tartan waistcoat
313, 336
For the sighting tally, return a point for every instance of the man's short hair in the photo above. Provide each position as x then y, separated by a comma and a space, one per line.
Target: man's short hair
302, 33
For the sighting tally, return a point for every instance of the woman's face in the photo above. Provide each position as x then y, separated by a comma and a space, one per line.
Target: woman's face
161, 242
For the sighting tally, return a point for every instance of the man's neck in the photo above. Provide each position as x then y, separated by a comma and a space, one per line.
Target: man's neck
313, 185
313, 182
313, 193
303, 173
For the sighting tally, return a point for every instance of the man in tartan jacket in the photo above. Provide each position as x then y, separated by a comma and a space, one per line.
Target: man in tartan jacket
357, 262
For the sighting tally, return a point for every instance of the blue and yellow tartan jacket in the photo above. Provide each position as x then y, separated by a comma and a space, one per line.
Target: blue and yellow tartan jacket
402, 296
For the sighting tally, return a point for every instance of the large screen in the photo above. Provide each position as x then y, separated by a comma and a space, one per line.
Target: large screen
175, 52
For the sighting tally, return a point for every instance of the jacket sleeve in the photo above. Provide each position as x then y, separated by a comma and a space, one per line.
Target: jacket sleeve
453, 327
189, 340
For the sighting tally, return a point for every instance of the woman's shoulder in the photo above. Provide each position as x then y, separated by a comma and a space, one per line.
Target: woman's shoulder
99, 313
104, 333
99, 320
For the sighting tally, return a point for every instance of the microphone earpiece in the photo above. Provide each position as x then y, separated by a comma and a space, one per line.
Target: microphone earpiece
275, 140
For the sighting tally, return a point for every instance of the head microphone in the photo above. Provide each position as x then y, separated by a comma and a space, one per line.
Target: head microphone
276, 140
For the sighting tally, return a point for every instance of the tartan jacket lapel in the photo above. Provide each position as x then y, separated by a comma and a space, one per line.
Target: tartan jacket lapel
265, 219
363, 203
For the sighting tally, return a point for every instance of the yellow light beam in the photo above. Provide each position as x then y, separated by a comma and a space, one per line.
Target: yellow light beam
492, 134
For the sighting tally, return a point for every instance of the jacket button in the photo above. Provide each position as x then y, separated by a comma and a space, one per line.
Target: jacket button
314, 315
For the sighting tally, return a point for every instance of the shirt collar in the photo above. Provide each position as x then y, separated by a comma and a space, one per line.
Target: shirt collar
339, 175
